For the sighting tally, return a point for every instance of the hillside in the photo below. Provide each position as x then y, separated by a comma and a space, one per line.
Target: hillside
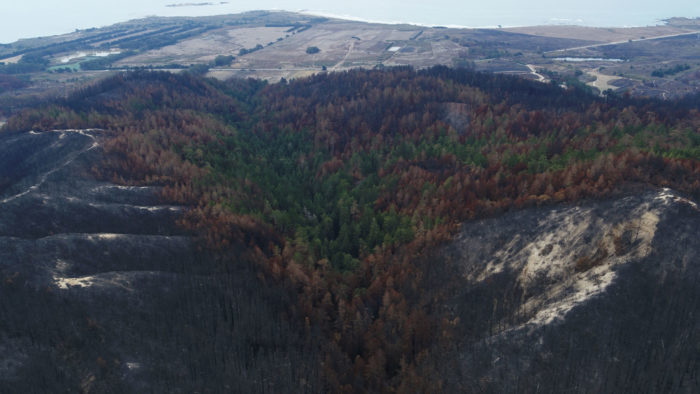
404, 231
102, 292
597, 297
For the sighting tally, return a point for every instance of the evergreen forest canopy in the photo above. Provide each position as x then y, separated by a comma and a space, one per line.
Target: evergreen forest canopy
345, 184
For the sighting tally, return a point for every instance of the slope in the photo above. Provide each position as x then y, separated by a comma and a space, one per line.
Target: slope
342, 187
102, 292
597, 297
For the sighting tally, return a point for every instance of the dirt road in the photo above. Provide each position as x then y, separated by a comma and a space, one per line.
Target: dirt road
347, 54
540, 77
624, 42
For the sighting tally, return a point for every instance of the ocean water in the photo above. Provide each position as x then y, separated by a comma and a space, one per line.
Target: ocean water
32, 18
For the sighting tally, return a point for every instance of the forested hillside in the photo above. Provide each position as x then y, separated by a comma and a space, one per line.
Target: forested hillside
343, 185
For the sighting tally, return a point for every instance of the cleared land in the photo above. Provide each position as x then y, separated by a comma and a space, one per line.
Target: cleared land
602, 81
13, 59
599, 34
272, 45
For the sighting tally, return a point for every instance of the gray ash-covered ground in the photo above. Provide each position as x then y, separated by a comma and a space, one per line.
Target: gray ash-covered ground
100, 291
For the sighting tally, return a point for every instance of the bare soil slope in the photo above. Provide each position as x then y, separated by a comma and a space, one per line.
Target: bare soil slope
572, 298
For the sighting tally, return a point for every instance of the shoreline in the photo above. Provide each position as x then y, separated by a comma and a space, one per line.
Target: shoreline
168, 12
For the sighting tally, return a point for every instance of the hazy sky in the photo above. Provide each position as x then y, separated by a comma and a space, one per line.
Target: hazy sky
30, 18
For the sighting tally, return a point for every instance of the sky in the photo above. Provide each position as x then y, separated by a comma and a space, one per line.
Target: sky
32, 18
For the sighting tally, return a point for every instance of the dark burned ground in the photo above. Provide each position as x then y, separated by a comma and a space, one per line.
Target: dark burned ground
101, 292
602, 296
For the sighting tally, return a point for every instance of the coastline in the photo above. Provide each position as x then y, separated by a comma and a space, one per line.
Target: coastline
488, 20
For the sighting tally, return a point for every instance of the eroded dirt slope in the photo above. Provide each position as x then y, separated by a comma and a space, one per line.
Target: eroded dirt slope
599, 297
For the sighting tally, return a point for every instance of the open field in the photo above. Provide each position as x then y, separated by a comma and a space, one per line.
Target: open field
655, 60
205, 48
599, 34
